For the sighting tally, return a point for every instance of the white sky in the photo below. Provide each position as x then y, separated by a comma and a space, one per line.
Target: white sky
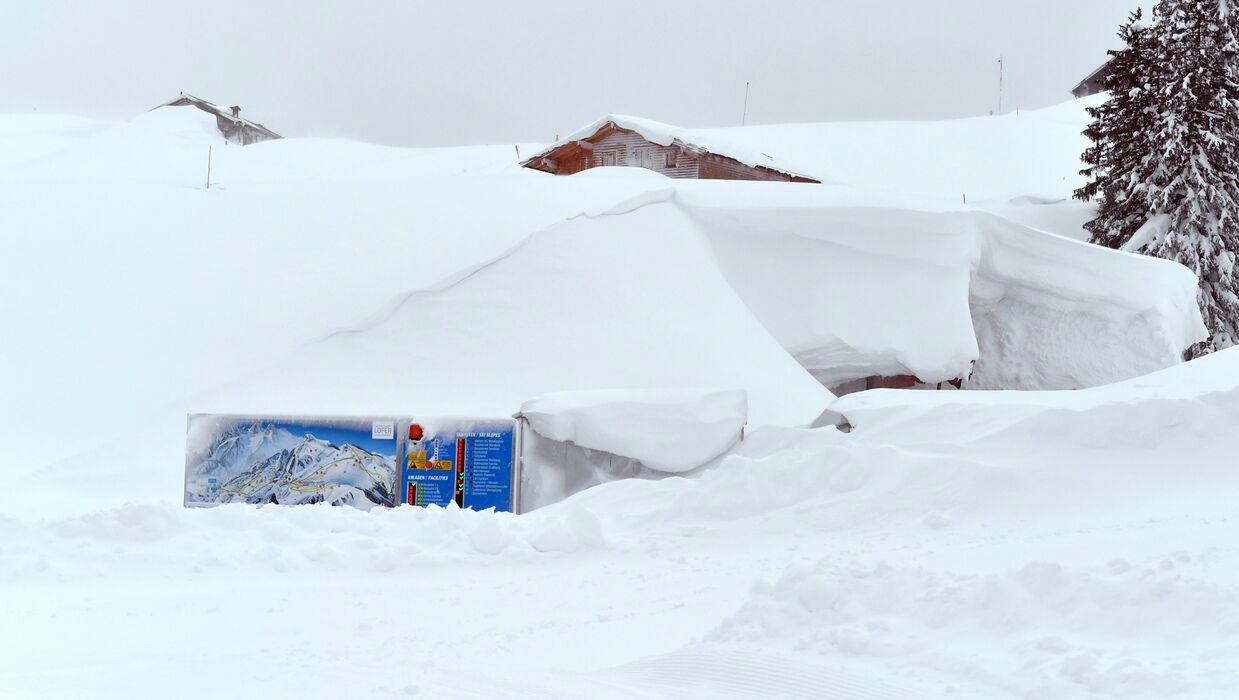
442, 72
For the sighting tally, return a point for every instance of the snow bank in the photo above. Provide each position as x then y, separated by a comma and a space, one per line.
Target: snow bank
669, 431
1183, 402
578, 440
581, 305
880, 290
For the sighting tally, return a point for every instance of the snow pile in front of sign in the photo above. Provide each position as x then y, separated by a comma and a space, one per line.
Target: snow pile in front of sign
861, 286
671, 431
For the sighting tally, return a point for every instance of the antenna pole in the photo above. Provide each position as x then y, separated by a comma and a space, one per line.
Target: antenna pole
208, 167
745, 115
1000, 85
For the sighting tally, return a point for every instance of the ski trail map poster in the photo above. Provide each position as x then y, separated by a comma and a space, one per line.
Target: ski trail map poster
291, 460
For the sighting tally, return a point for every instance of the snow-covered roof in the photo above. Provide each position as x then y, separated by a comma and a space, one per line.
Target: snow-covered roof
213, 108
668, 430
667, 134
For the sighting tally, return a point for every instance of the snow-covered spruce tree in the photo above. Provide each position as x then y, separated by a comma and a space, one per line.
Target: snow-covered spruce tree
1120, 133
1189, 175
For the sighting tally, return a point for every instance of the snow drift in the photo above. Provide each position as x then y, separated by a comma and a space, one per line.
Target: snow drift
880, 290
577, 440
669, 431
625, 299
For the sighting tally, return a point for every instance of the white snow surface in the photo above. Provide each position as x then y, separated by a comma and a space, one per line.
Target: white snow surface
985, 545
670, 431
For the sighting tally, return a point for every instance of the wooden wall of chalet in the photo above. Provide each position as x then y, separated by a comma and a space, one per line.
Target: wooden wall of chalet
628, 148
712, 166
624, 147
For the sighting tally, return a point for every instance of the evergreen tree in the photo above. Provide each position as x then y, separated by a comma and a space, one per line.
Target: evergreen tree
1193, 187
1184, 187
1120, 133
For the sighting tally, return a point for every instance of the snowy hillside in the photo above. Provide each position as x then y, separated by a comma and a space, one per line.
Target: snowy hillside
966, 544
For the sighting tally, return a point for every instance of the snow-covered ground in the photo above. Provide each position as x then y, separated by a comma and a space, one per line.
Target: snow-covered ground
955, 544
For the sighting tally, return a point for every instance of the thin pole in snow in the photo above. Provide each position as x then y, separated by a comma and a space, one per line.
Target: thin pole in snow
1000, 65
745, 114
208, 167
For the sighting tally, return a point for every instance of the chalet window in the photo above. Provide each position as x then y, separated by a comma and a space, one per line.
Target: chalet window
608, 158
671, 159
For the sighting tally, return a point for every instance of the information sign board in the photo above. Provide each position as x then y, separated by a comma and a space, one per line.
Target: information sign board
291, 460
362, 461
466, 461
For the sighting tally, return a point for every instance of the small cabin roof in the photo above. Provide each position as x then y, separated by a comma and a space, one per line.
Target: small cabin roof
665, 135
1098, 72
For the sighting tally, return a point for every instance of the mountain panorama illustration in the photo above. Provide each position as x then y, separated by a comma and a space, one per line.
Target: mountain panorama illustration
268, 463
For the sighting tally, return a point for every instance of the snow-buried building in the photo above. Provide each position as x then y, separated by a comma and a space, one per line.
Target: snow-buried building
617, 140
885, 297
229, 121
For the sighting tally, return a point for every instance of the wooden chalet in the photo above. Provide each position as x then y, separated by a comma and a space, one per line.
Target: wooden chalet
641, 143
229, 121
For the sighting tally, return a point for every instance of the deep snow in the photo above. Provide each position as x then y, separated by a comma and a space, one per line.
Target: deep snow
955, 544
672, 431
979, 555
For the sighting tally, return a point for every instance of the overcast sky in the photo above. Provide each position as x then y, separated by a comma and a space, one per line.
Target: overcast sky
445, 72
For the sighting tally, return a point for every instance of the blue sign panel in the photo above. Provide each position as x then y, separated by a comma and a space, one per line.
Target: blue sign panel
466, 462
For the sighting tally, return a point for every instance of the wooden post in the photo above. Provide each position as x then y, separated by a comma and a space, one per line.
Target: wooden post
208, 167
